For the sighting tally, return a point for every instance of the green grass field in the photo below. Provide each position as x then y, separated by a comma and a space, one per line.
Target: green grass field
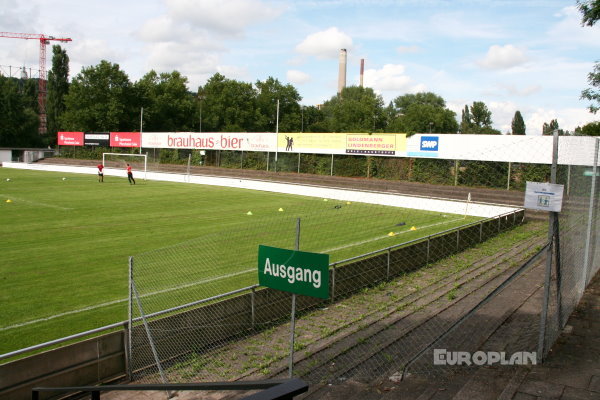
65, 244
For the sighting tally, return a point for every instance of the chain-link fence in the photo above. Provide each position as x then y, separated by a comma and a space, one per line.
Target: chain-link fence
406, 298
192, 303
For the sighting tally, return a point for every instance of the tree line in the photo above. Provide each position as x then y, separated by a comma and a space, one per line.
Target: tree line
102, 98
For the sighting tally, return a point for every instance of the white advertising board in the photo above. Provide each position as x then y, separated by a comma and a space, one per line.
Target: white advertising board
241, 141
543, 196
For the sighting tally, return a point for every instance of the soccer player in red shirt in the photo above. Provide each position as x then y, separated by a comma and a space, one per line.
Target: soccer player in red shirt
100, 173
130, 175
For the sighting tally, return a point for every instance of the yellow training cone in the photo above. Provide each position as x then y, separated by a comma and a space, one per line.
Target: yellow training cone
391, 234
9, 201
249, 213
281, 209
413, 228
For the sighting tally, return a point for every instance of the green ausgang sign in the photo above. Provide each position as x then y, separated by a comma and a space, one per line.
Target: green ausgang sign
294, 271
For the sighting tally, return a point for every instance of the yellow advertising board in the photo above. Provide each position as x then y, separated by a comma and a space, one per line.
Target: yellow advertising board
342, 143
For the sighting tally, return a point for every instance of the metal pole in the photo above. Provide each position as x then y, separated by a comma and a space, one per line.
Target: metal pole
544, 313
130, 322
587, 265
141, 127
253, 306
508, 179
293, 317
277, 135
150, 340
568, 179
331, 165
387, 276
455, 172
298, 162
189, 166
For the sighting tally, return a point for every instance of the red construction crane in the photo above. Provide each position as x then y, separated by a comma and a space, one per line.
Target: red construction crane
44, 40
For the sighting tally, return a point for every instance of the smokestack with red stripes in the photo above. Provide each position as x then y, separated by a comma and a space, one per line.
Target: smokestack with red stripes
362, 71
342, 73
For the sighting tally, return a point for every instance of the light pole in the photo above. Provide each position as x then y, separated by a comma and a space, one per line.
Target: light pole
201, 98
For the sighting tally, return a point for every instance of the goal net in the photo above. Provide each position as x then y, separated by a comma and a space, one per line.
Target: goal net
139, 162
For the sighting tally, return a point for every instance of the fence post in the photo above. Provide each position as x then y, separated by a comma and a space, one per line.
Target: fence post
387, 275
457, 240
333, 283
480, 232
548, 273
129, 322
253, 307
299, 162
508, 180
331, 173
587, 265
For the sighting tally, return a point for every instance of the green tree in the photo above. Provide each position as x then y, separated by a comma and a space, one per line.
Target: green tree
420, 113
355, 109
58, 87
18, 115
477, 119
290, 118
590, 129
312, 119
549, 128
590, 14
100, 98
168, 104
590, 10
518, 124
228, 105
591, 94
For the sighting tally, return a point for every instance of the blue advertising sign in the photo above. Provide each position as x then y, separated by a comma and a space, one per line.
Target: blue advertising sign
429, 143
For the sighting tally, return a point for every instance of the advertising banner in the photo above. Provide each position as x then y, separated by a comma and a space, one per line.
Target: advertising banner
97, 139
294, 271
70, 138
125, 139
244, 141
342, 143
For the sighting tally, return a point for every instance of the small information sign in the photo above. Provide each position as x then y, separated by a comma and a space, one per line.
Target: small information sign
544, 196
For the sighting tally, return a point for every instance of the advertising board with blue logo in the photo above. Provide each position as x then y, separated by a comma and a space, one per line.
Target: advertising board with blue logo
423, 146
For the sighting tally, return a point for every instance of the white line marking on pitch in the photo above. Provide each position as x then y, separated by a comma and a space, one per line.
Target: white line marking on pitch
35, 203
110, 303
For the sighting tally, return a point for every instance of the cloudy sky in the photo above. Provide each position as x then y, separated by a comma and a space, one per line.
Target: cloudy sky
526, 55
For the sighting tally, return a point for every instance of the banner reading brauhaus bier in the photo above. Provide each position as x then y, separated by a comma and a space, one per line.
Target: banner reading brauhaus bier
245, 141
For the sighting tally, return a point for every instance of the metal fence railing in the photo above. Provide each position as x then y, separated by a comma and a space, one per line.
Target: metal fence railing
195, 340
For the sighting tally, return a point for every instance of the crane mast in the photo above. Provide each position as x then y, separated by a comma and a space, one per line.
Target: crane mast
44, 40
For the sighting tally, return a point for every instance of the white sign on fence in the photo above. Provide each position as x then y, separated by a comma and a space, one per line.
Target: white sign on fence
543, 196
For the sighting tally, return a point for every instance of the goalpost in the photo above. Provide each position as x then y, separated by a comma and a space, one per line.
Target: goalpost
120, 156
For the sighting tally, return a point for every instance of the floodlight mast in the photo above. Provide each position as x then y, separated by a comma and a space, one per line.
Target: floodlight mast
44, 40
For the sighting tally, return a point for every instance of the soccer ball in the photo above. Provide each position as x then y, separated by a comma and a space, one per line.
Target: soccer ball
64, 179
7, 179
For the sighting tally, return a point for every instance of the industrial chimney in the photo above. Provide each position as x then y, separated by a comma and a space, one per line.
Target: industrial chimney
362, 71
342, 73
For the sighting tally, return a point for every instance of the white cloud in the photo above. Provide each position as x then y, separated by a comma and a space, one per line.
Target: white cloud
296, 77
325, 44
503, 57
569, 32
90, 52
391, 77
229, 17
462, 26
408, 49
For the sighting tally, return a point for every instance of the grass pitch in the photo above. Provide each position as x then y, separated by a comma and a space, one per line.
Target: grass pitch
65, 243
